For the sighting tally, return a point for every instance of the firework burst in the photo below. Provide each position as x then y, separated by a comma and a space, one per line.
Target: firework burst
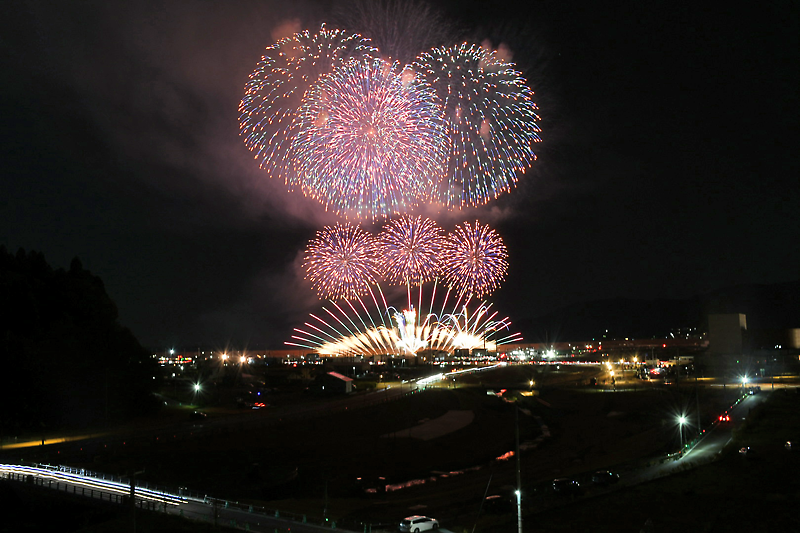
275, 90
410, 249
476, 260
341, 262
369, 141
491, 121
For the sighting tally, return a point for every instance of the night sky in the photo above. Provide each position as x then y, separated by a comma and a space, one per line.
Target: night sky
669, 165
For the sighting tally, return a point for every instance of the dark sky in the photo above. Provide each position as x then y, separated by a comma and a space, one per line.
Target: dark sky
669, 165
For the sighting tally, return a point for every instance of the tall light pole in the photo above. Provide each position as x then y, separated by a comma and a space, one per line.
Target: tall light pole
681, 422
518, 492
489, 325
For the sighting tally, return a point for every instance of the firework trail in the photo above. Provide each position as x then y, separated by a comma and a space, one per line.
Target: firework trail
491, 121
341, 262
275, 90
410, 249
369, 141
476, 260
472, 330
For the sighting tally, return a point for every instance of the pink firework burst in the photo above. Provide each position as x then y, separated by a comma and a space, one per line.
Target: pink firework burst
275, 90
476, 260
370, 141
341, 262
411, 250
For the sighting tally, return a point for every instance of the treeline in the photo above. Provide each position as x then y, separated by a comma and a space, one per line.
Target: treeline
66, 360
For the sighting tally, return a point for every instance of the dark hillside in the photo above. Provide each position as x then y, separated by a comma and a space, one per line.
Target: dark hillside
67, 361
767, 307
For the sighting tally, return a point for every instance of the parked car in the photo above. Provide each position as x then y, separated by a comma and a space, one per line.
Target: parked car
566, 486
498, 504
417, 523
604, 477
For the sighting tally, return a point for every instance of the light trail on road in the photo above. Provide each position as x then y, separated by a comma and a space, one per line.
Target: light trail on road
92, 483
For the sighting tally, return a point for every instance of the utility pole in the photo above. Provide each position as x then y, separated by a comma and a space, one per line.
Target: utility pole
697, 397
519, 474
133, 498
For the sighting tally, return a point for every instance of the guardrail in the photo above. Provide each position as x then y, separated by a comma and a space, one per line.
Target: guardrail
82, 482
59, 478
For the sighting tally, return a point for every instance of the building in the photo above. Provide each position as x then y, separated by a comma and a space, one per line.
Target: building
335, 383
726, 334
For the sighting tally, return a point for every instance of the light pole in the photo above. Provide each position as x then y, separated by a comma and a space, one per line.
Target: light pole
196, 388
489, 326
681, 422
518, 492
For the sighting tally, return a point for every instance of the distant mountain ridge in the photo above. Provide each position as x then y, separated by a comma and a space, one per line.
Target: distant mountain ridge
774, 306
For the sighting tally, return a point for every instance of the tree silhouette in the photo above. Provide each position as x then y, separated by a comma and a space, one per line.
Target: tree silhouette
67, 360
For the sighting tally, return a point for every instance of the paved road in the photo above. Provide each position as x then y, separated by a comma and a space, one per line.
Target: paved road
706, 450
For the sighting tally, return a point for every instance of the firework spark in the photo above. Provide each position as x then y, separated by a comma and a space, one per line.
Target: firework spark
369, 141
476, 260
275, 90
341, 262
410, 249
491, 121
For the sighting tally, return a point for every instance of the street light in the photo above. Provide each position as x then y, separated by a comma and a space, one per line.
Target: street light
195, 390
681, 422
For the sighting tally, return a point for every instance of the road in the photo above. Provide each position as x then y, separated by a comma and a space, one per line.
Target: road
706, 450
